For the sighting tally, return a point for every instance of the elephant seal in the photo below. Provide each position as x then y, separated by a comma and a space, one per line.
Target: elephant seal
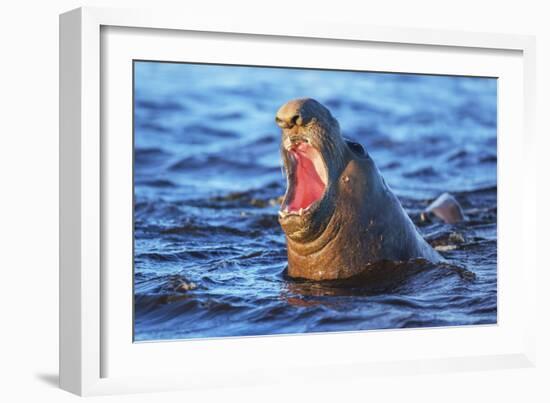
339, 216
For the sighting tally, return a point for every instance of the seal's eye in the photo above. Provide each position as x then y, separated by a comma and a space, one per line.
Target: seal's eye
356, 147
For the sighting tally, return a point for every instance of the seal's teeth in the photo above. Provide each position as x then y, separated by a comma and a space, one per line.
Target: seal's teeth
286, 209
281, 214
301, 211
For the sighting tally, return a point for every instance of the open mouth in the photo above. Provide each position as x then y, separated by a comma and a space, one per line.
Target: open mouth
307, 179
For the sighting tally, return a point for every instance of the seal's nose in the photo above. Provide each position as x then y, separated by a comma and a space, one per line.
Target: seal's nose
288, 121
292, 114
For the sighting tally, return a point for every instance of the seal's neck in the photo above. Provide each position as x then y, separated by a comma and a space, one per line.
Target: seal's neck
346, 242
316, 246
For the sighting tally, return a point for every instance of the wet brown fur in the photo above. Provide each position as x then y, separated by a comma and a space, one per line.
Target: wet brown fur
359, 220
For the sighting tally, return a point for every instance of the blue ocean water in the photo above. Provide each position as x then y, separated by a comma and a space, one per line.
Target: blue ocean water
209, 253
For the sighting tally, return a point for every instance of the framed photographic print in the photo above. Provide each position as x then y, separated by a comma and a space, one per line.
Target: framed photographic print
237, 197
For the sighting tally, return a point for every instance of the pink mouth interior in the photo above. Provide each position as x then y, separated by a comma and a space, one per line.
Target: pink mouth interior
309, 177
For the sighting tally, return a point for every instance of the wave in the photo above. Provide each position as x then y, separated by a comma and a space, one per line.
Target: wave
159, 105
208, 186
216, 164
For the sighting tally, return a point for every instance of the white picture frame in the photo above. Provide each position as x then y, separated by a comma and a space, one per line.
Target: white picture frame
92, 358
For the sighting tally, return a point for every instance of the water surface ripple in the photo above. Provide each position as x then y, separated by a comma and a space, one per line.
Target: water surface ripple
210, 256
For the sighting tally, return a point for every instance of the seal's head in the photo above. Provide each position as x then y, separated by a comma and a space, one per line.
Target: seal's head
314, 155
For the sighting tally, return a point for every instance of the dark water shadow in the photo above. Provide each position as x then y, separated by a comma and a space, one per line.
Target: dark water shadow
49, 379
384, 277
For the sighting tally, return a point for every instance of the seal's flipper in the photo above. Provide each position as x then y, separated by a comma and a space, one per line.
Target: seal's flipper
446, 208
